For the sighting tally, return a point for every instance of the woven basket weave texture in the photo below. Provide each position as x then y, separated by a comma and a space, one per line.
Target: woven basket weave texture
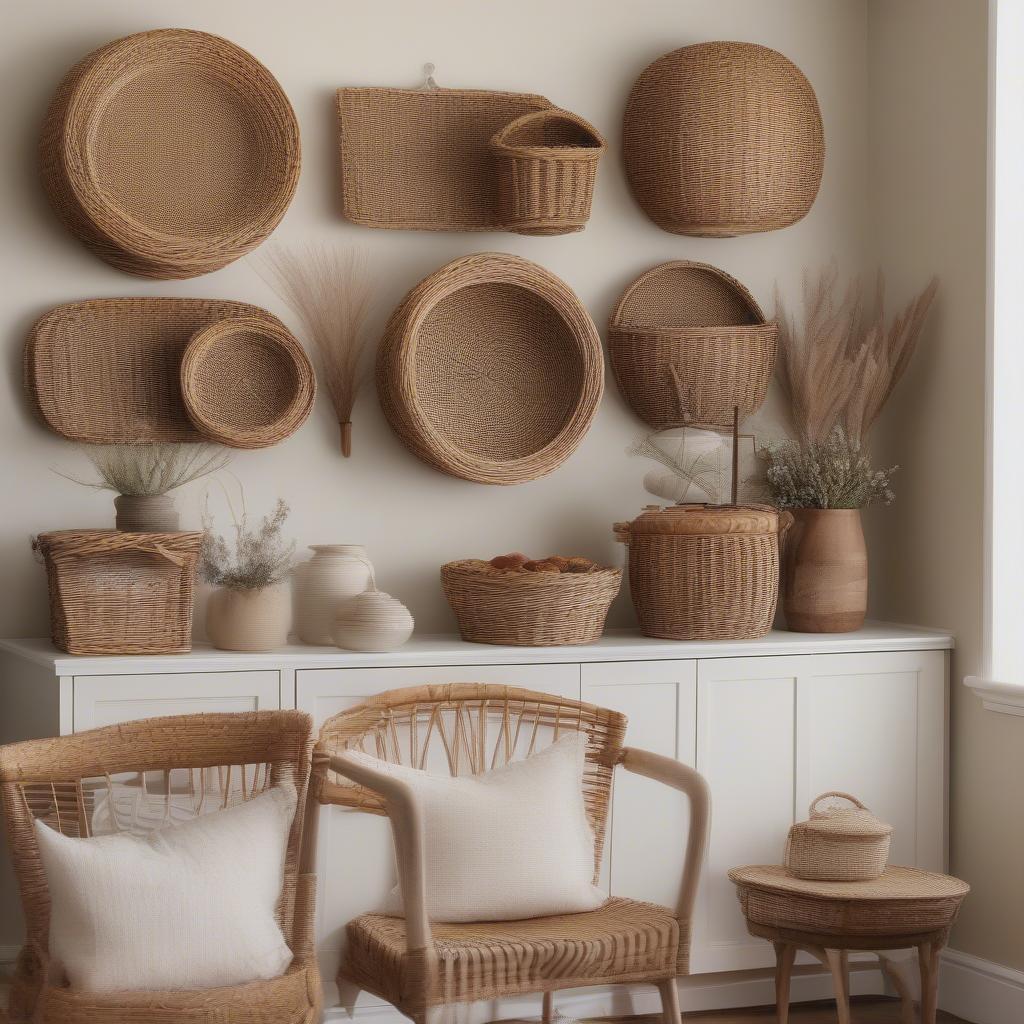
722, 139
491, 370
170, 153
688, 342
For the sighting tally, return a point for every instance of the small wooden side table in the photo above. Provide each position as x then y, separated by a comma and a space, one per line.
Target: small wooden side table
904, 908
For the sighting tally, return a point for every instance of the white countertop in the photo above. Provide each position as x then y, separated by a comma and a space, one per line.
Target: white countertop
616, 645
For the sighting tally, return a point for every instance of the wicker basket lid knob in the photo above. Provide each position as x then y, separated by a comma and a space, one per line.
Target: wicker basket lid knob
857, 821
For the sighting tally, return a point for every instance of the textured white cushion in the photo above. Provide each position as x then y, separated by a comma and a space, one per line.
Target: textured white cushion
507, 844
189, 906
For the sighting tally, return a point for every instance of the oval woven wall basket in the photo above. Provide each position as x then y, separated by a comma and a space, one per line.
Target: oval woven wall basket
491, 370
170, 153
688, 343
723, 139
246, 382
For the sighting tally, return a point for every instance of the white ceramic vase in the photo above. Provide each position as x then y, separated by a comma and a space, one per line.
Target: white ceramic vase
249, 620
373, 621
335, 574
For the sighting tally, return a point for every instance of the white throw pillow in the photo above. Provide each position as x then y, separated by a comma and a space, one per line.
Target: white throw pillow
507, 844
190, 906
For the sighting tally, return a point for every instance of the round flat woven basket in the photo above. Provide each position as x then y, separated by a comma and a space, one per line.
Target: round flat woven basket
528, 609
246, 382
170, 153
688, 342
723, 139
491, 370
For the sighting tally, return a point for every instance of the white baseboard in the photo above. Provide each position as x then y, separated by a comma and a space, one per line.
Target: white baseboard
979, 990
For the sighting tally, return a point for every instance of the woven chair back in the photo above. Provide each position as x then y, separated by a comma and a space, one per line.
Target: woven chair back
469, 728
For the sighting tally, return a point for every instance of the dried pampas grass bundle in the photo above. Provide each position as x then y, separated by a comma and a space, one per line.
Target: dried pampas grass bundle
841, 368
330, 291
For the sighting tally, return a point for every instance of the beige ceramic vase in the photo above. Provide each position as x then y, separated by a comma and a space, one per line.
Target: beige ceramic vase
146, 513
249, 620
825, 587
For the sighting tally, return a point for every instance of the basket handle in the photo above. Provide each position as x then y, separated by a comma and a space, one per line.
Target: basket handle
621, 532
833, 792
786, 520
149, 549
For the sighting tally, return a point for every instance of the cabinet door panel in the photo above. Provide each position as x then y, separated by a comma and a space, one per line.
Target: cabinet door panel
105, 700
648, 825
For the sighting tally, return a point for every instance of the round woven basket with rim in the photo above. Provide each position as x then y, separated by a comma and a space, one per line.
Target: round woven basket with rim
528, 609
170, 153
491, 370
722, 139
688, 342
704, 572
246, 382
547, 166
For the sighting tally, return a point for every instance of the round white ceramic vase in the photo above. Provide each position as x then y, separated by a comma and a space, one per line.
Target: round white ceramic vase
335, 574
249, 620
373, 621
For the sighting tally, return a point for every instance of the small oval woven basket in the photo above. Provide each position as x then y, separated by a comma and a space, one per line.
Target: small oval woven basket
491, 370
247, 382
547, 165
688, 342
528, 609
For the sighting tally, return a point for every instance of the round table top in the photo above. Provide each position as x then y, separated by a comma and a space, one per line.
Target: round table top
896, 883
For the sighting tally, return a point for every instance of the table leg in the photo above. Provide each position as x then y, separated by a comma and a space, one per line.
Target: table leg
548, 1010
900, 984
928, 962
838, 963
669, 1001
785, 954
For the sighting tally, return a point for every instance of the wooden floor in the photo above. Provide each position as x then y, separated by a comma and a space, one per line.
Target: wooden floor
864, 1009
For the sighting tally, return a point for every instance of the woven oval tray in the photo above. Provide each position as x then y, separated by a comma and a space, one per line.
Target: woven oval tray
491, 370
170, 153
688, 342
722, 139
105, 371
247, 382
419, 159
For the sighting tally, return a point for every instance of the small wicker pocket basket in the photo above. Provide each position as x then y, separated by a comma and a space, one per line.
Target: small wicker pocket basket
847, 844
120, 593
547, 165
528, 609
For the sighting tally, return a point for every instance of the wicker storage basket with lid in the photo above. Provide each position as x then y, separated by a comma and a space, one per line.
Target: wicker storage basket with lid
547, 165
120, 593
705, 572
838, 844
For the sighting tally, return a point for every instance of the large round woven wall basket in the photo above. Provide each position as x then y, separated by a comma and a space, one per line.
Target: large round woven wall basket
688, 343
170, 153
247, 382
491, 370
723, 139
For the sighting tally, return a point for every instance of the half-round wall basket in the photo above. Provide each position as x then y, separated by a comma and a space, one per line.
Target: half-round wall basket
246, 382
688, 343
170, 153
491, 370
723, 139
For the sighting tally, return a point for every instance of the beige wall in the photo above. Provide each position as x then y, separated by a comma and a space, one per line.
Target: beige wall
928, 75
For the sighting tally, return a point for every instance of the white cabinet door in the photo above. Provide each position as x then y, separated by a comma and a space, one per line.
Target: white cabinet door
643, 854
355, 858
104, 700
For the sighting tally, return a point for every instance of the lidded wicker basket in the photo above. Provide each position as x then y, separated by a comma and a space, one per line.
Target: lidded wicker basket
838, 844
705, 572
120, 593
528, 609
546, 162
688, 342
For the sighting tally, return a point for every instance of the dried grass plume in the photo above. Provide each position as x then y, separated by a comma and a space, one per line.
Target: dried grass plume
149, 469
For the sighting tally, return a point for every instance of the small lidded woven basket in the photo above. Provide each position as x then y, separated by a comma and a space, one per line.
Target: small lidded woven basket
546, 162
838, 844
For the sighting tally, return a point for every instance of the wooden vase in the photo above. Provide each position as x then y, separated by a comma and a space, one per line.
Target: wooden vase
825, 585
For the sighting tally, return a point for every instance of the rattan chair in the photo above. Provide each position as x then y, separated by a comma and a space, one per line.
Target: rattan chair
466, 729
164, 769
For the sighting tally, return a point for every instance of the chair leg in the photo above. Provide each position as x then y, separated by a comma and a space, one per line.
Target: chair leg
838, 963
548, 1011
669, 1001
785, 954
895, 975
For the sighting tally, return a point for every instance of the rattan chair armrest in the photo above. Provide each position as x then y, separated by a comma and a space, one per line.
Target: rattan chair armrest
407, 828
687, 780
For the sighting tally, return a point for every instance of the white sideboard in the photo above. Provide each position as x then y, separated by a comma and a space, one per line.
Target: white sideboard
769, 722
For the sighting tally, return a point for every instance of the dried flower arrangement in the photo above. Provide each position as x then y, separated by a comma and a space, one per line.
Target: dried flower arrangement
255, 558
330, 292
836, 375
147, 470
